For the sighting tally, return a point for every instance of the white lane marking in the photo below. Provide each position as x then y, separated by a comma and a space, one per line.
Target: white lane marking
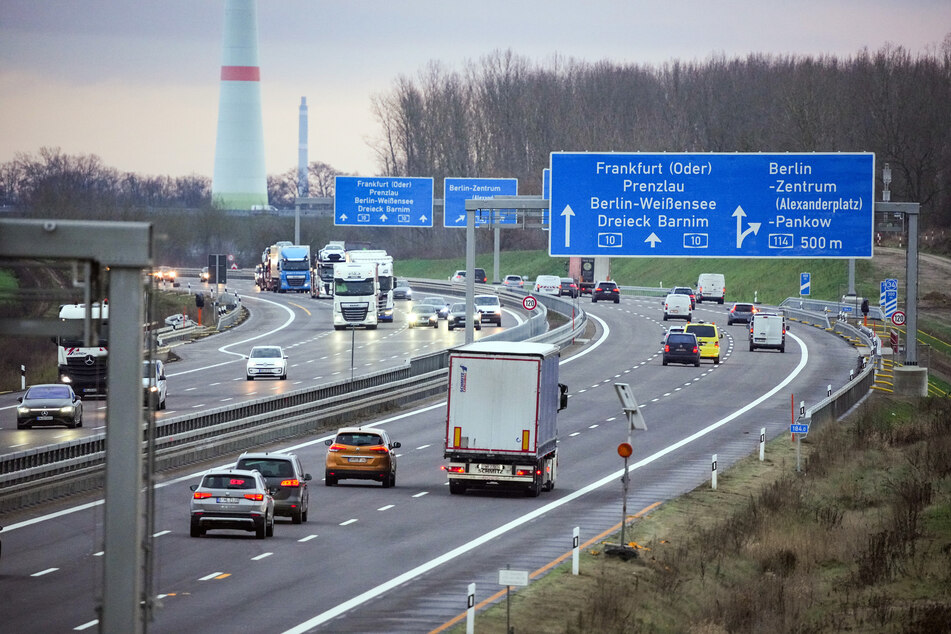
261, 556
99, 554
210, 577
307, 539
189, 389
386, 508
419, 495
422, 446
225, 400
347, 522
44, 572
592, 426
86, 626
160, 533
611, 478
572, 434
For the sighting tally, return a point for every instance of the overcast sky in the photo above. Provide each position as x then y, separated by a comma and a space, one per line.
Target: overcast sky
136, 83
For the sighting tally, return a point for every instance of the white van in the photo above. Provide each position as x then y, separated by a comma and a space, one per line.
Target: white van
768, 330
711, 287
677, 307
548, 285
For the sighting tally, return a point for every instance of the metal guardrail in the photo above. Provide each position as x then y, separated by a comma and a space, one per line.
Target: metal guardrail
41, 473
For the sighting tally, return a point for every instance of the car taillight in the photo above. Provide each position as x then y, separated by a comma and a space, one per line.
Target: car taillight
716, 343
378, 450
201, 495
695, 349
290, 483
336, 447
254, 497
666, 347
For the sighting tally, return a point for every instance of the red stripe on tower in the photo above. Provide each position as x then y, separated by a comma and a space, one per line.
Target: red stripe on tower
240, 73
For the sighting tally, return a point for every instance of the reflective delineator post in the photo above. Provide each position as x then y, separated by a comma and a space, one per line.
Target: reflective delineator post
470, 610
575, 550
713, 469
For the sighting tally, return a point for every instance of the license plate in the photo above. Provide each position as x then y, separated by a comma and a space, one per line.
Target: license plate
485, 468
356, 459
228, 500
44, 418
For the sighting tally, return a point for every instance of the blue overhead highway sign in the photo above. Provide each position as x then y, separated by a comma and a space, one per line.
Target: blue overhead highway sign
383, 201
712, 205
456, 191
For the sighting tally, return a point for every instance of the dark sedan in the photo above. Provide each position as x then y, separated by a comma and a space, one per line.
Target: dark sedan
681, 347
49, 404
741, 313
457, 317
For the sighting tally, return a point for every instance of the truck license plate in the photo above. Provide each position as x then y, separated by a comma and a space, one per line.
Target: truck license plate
490, 468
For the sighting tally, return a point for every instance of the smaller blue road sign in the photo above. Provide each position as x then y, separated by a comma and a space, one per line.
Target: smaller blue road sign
799, 428
383, 201
456, 191
805, 283
888, 296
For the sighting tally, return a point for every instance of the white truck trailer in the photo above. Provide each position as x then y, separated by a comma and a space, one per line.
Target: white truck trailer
355, 295
501, 423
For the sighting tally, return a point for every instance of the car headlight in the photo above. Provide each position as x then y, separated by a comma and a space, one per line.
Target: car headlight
23, 410
66, 410
65, 379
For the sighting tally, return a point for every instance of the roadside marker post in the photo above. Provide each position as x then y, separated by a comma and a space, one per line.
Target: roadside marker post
470, 610
575, 550
713, 469
762, 444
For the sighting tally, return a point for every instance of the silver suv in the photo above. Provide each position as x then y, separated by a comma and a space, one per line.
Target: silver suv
286, 479
232, 499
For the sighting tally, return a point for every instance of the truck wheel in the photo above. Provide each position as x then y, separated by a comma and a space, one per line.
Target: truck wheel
456, 488
533, 490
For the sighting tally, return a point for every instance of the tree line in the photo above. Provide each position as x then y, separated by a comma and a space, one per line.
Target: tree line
502, 116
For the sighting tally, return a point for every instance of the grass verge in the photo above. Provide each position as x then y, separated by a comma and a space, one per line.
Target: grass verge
859, 541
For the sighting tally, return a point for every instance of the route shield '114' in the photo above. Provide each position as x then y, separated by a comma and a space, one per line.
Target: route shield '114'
712, 205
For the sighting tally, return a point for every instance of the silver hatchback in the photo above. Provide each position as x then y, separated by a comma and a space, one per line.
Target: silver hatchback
235, 499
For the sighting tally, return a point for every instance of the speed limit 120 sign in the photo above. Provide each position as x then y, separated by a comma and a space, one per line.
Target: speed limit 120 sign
529, 303
898, 318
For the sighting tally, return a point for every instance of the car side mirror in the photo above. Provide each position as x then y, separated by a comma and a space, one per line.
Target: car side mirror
193, 487
395, 445
19, 399
162, 377
328, 442
562, 396
307, 477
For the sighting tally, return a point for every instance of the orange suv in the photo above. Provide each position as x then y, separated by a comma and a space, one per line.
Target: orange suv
361, 454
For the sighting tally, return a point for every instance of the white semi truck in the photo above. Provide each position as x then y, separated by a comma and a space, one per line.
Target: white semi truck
501, 423
85, 368
355, 295
385, 275
334, 252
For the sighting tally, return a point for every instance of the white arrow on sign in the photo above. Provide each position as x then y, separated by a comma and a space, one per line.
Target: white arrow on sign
567, 214
343, 217
653, 239
382, 217
422, 219
754, 227
461, 219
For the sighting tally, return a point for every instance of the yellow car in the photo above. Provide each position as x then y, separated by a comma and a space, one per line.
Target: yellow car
362, 454
708, 337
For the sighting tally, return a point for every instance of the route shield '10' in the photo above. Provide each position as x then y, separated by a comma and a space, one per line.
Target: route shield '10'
712, 205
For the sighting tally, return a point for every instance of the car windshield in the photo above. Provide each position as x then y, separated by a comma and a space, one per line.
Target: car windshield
402, 284
266, 353
703, 331
439, 301
359, 439
148, 370
48, 391
486, 301
354, 287
228, 481
268, 467
458, 308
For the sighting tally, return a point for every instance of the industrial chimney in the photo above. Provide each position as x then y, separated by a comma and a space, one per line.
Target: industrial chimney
303, 186
240, 179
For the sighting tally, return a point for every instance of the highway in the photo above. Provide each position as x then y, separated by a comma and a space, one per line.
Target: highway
400, 559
